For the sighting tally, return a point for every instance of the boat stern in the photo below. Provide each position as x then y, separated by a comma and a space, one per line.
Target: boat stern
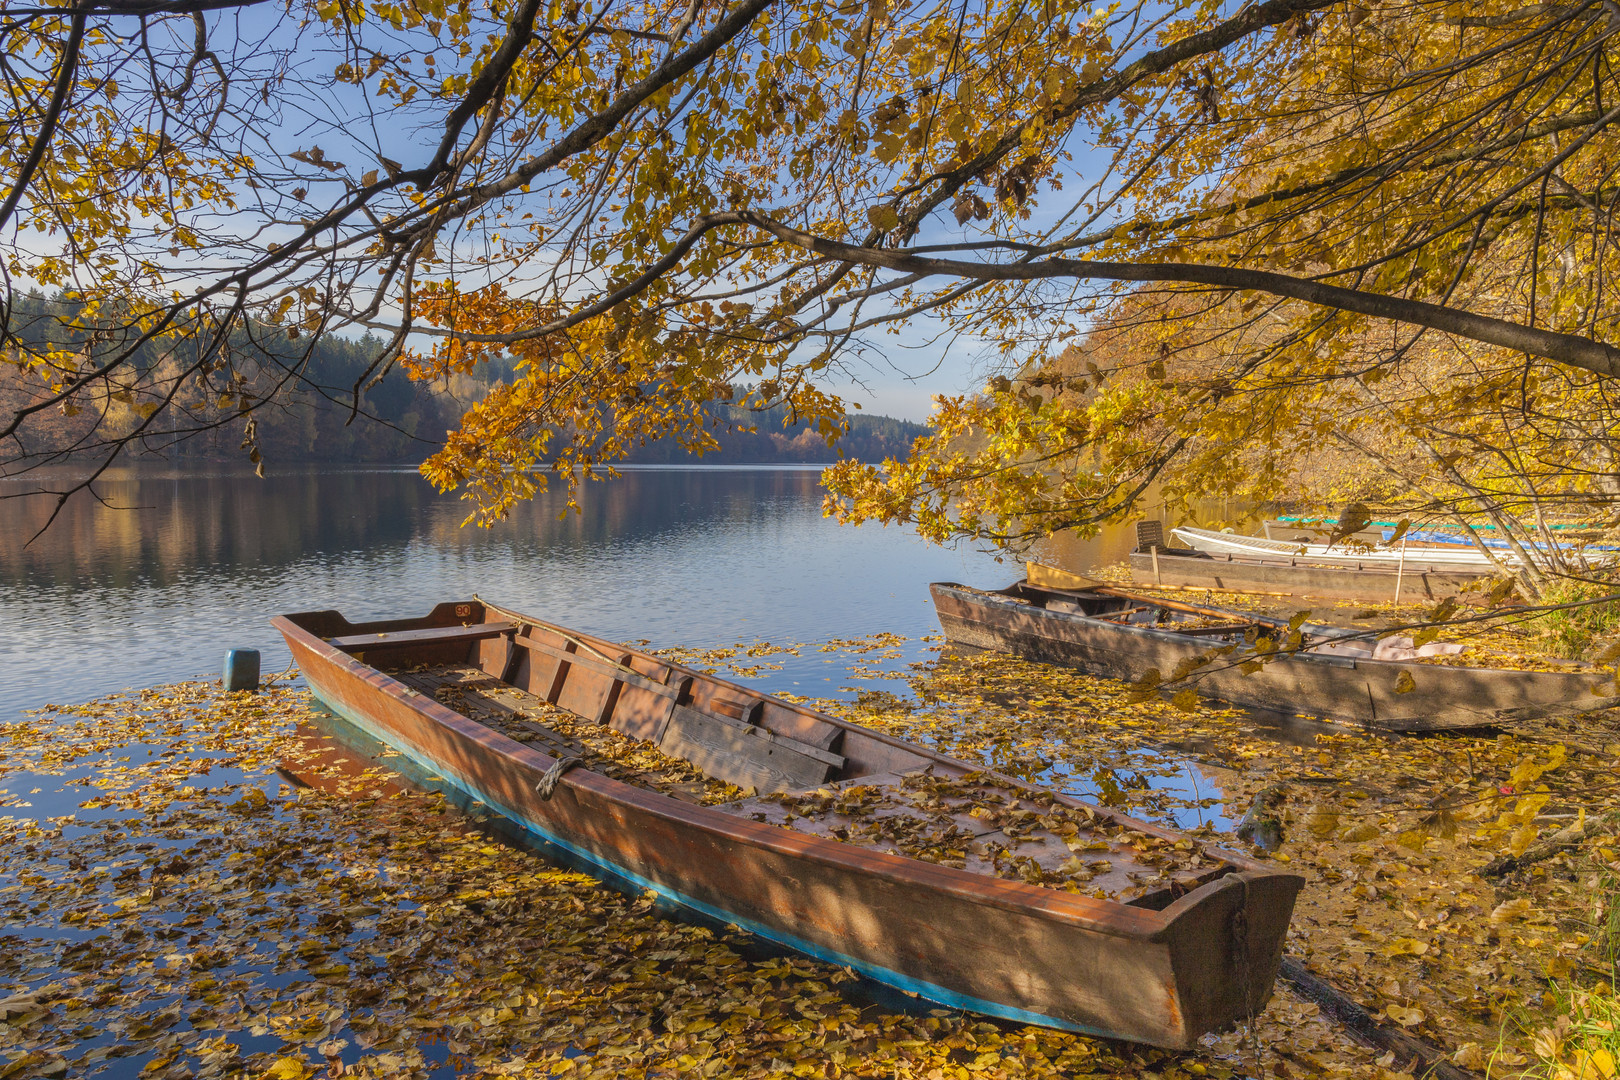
1226, 941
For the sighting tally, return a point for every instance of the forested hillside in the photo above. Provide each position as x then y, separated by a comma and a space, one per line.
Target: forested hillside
302, 418
766, 437
309, 418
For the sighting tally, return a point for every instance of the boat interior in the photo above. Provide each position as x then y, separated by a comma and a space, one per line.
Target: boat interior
698, 739
1217, 626
1127, 609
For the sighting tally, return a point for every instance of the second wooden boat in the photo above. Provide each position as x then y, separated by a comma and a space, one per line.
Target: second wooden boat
1332, 673
966, 888
1303, 577
1288, 551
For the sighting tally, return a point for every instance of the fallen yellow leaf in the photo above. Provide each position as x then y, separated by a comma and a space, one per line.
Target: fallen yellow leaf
1406, 947
1508, 910
1405, 1016
288, 1068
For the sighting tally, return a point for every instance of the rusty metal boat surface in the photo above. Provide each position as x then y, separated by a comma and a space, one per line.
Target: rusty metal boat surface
1332, 674
1147, 950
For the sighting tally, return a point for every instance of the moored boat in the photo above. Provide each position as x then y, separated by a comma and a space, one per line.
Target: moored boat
1331, 672
964, 887
1361, 556
1302, 577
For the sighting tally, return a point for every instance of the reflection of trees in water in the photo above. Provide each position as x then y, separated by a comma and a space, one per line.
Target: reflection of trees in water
154, 528
641, 506
157, 526
1114, 542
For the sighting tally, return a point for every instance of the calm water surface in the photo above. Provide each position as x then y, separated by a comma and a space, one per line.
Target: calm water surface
178, 566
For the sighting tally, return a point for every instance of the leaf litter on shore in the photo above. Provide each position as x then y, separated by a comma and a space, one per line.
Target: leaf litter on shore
200, 915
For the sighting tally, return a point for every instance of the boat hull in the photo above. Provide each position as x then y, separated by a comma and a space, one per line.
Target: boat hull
961, 940
1373, 583
1287, 553
1335, 687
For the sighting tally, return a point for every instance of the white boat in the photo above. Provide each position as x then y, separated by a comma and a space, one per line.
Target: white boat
1341, 554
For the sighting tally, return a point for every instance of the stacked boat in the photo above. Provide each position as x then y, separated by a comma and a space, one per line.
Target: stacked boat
1362, 556
1353, 570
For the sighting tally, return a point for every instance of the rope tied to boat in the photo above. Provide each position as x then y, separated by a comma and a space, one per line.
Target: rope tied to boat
548, 781
1240, 949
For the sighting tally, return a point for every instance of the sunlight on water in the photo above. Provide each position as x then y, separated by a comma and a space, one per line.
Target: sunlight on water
179, 566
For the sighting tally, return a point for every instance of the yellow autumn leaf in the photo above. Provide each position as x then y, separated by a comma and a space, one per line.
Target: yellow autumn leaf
1406, 947
1406, 1016
1595, 1064
883, 217
1509, 910
1412, 839
289, 1068
1322, 822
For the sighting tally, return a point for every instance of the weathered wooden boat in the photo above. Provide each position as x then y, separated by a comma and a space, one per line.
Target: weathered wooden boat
1571, 535
1317, 530
1302, 577
966, 888
1442, 539
1449, 557
1334, 673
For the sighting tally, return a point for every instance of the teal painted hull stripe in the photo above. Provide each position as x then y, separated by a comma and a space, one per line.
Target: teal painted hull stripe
930, 991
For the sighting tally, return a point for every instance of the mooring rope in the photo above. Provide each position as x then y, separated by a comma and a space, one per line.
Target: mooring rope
548, 781
1240, 946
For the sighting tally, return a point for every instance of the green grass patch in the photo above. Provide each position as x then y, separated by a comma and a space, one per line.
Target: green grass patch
1575, 633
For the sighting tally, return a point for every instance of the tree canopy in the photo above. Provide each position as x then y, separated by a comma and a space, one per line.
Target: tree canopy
1199, 244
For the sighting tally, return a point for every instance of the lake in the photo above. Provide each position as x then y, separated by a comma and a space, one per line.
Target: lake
173, 567
153, 584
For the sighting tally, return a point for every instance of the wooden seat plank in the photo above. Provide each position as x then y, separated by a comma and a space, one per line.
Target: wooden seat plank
745, 755
434, 635
585, 659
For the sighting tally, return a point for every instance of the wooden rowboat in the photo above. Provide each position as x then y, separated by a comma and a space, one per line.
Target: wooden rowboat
1451, 557
1333, 674
1299, 576
1282, 565
966, 888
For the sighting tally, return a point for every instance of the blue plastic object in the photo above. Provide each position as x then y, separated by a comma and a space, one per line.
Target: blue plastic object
242, 669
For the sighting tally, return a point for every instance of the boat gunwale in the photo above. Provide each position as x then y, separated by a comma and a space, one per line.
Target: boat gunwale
1256, 547
1002, 596
1414, 565
1110, 917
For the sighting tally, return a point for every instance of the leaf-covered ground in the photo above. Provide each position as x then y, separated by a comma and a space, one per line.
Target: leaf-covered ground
183, 908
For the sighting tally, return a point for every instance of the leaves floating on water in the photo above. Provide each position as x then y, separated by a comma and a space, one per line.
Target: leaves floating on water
199, 913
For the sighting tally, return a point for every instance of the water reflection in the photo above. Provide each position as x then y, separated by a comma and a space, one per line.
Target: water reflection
175, 567
155, 526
